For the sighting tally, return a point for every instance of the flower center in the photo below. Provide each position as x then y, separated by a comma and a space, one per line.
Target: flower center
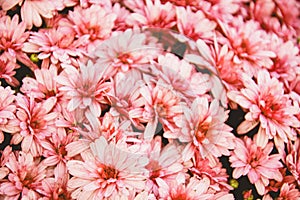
109, 173
202, 129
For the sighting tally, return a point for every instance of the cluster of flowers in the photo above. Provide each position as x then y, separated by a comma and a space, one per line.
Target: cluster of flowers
121, 104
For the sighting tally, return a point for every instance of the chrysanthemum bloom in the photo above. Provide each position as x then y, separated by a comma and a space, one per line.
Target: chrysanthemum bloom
53, 189
204, 131
164, 164
268, 105
192, 190
211, 168
85, 89
56, 45
37, 121
7, 72
13, 36
8, 121
287, 191
255, 162
123, 52
153, 14
162, 105
25, 177
194, 25
293, 160
31, 11
249, 44
182, 77
43, 85
95, 21
109, 172
122, 14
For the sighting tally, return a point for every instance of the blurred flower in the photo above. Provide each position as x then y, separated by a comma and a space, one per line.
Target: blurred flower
255, 162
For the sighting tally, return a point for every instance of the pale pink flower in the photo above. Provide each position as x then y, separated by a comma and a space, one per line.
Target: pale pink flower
163, 105
43, 86
123, 52
164, 164
13, 36
25, 177
8, 122
7, 71
56, 45
106, 173
194, 25
182, 77
122, 14
94, 21
249, 44
292, 160
85, 88
32, 11
193, 189
153, 14
54, 190
37, 121
255, 162
288, 191
211, 168
204, 131
266, 104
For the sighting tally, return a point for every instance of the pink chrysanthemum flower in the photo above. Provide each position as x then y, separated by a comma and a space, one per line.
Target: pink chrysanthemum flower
85, 89
13, 36
7, 72
182, 77
292, 160
32, 11
192, 190
162, 105
249, 44
123, 52
194, 24
122, 14
25, 177
153, 14
268, 105
255, 162
8, 122
204, 130
94, 21
211, 168
106, 173
56, 45
43, 86
37, 121
53, 189
164, 164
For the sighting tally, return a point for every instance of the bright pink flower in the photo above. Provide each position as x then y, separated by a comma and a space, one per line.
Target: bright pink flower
7, 72
56, 45
123, 52
94, 21
25, 177
53, 189
106, 173
268, 105
194, 24
86, 89
8, 122
13, 36
153, 14
37, 121
255, 162
292, 160
204, 131
249, 44
32, 11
